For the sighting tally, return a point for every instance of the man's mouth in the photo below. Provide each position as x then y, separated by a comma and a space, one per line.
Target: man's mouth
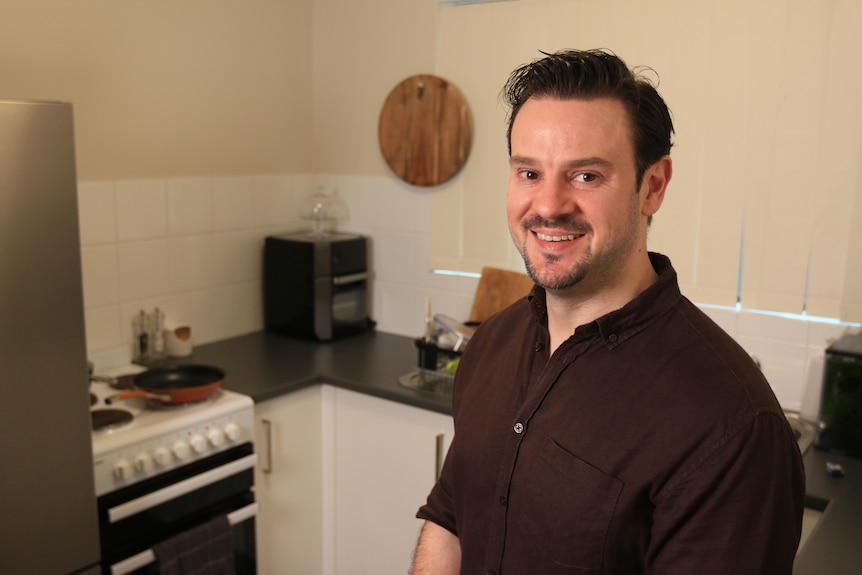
560, 238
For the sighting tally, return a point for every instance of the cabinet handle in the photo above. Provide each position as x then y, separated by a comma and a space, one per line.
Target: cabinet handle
438, 462
267, 429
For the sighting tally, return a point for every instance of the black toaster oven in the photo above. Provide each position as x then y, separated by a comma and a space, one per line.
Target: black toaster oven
316, 285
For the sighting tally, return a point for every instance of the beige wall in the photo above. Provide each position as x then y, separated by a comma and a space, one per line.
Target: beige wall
205, 88
167, 88
361, 51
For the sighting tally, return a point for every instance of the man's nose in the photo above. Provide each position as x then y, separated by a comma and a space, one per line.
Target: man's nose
554, 199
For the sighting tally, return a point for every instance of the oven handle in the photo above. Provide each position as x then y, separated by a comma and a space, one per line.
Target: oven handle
180, 488
349, 278
135, 562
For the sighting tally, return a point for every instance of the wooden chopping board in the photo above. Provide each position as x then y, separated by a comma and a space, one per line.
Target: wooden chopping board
424, 130
497, 290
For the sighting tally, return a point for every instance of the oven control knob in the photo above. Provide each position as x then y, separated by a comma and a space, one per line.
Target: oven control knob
143, 463
162, 455
216, 437
182, 450
232, 430
123, 470
199, 443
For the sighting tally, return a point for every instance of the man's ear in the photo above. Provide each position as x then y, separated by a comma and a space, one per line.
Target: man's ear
654, 184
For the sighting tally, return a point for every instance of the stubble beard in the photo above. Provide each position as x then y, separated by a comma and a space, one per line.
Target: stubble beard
597, 270
568, 279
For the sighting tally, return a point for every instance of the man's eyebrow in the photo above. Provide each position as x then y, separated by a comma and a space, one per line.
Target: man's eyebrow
520, 160
573, 164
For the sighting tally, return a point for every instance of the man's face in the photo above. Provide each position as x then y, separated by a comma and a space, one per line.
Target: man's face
573, 208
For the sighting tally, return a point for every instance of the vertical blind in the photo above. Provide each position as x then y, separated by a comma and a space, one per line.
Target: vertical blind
765, 206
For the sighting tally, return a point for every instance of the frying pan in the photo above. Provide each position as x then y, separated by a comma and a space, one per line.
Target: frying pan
175, 384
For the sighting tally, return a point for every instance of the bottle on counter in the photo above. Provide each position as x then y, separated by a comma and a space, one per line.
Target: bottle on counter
157, 335
140, 337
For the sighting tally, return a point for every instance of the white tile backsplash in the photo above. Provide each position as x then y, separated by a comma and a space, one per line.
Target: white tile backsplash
190, 206
238, 257
812, 377
101, 275
774, 327
393, 257
791, 352
821, 334
143, 269
276, 201
399, 208
726, 318
233, 203
97, 213
141, 209
193, 247
238, 308
191, 263
105, 330
398, 308
359, 195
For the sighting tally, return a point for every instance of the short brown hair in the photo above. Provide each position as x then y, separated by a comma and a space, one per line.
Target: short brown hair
588, 74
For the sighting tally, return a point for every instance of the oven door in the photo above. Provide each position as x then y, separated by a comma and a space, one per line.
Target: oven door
134, 519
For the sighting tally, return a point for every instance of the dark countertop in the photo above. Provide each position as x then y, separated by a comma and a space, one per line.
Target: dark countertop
264, 366
835, 545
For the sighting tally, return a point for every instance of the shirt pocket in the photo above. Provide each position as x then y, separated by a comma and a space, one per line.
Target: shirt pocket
570, 506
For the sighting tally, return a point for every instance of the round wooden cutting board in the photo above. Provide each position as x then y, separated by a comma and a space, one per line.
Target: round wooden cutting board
424, 130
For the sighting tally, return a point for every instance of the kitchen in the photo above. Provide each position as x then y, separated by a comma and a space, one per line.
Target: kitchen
201, 127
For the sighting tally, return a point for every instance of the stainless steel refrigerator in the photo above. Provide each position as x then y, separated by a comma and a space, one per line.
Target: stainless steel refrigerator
48, 518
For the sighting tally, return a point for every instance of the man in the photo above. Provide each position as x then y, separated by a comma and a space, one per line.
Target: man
604, 424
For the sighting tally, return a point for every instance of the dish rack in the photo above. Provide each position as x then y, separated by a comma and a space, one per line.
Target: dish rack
431, 374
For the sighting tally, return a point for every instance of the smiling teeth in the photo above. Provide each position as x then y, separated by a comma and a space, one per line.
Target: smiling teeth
567, 237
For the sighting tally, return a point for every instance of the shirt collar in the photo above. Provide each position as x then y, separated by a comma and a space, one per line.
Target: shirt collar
619, 325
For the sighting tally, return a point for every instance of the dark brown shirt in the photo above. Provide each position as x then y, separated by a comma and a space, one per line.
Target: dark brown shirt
648, 443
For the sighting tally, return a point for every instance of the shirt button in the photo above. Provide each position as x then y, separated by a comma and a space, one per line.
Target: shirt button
612, 338
503, 501
519, 427
539, 346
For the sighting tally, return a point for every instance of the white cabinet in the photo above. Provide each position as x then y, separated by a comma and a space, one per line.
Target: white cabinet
340, 478
289, 483
385, 463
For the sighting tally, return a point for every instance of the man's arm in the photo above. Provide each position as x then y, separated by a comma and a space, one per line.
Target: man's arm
437, 553
739, 512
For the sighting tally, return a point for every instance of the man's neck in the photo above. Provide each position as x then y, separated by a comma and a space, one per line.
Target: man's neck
577, 306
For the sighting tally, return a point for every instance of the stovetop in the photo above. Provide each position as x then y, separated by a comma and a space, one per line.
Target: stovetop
158, 438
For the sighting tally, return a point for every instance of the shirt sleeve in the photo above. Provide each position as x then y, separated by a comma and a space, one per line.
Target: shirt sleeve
439, 507
739, 510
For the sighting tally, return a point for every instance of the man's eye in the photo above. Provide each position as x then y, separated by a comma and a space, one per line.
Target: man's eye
585, 178
530, 175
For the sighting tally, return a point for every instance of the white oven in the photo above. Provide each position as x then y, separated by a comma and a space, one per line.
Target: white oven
170, 477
